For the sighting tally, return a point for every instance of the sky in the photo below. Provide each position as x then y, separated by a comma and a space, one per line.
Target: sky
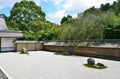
56, 9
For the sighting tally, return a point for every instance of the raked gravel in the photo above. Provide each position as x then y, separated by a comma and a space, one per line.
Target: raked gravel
46, 65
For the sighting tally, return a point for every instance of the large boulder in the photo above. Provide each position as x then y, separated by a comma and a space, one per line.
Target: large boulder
91, 61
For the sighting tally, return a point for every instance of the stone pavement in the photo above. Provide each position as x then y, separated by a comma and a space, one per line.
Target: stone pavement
46, 65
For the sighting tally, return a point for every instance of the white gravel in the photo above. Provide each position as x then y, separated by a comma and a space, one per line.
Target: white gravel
46, 65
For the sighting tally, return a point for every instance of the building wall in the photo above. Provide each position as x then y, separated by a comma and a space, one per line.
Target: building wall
30, 45
7, 44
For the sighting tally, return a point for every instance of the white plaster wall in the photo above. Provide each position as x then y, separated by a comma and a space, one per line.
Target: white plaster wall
7, 44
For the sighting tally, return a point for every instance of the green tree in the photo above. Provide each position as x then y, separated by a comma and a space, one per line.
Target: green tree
105, 7
116, 7
67, 19
23, 13
29, 18
113, 30
87, 26
26, 11
92, 10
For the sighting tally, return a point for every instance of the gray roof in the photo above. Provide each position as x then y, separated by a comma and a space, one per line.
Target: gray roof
19, 41
6, 33
3, 25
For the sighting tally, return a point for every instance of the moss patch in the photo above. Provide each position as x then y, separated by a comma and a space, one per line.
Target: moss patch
96, 66
22, 52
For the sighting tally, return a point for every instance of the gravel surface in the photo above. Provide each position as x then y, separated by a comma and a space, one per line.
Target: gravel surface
46, 65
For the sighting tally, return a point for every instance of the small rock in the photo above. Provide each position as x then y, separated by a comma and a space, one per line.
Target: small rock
100, 64
24, 51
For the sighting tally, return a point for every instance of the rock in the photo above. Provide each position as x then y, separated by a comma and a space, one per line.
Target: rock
24, 51
91, 61
100, 64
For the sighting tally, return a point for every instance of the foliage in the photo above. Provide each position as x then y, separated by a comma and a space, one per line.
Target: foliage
67, 19
26, 11
42, 31
29, 18
105, 7
66, 32
23, 13
87, 26
91, 10
113, 30
93, 23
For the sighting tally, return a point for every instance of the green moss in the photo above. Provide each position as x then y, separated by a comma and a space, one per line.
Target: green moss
23, 53
96, 66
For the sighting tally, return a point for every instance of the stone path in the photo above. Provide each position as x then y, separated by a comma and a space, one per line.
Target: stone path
46, 65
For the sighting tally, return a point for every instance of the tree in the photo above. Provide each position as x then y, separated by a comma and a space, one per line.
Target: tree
27, 17
93, 26
26, 11
116, 7
87, 26
113, 30
105, 7
92, 10
67, 19
23, 13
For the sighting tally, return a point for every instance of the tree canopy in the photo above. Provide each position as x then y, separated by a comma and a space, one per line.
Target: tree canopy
93, 23
29, 18
26, 11
67, 19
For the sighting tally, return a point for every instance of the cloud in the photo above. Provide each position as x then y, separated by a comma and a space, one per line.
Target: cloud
57, 2
73, 7
55, 17
7, 3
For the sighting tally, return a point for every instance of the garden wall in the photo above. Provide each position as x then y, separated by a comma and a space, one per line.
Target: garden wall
105, 52
30, 45
113, 51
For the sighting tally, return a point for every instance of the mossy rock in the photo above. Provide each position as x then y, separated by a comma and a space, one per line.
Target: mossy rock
91, 64
91, 61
